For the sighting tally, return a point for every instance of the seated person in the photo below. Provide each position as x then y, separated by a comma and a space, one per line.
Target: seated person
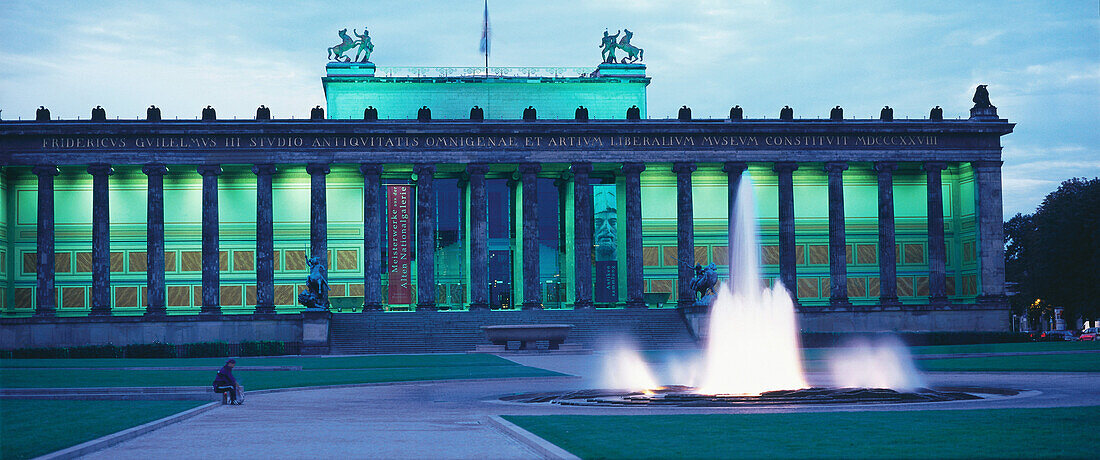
225, 383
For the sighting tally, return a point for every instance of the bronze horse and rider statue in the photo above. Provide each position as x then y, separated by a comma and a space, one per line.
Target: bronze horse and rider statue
364, 45
610, 43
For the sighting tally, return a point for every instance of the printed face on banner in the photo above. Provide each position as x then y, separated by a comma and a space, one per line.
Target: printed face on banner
606, 221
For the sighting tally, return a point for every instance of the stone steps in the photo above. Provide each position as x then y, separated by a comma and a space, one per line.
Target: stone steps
427, 332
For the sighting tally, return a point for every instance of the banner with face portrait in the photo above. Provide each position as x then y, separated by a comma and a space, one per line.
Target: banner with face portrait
605, 239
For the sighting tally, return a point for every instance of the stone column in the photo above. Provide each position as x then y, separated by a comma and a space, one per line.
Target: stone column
479, 238
318, 213
838, 260
532, 290
887, 251
154, 234
685, 234
425, 237
372, 236
211, 267
46, 298
101, 239
990, 232
787, 271
734, 170
582, 234
635, 281
265, 240
937, 250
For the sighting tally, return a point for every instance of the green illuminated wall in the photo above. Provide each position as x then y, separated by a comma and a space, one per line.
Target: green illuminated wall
18, 203
501, 97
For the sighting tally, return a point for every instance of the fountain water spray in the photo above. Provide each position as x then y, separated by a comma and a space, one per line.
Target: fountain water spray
626, 370
753, 344
882, 363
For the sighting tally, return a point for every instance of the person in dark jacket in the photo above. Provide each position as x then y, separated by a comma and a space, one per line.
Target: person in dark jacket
226, 383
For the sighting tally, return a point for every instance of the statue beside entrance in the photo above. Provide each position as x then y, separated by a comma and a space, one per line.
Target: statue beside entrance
315, 295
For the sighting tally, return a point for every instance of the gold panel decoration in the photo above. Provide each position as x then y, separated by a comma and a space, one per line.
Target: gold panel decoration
337, 290
970, 285
950, 286
669, 259
3, 297
770, 254
223, 260
3, 263
126, 296
244, 261
347, 259
873, 287
720, 255
799, 254
250, 295
231, 296
169, 261
116, 262
458, 293
30, 262
920, 286
807, 288
866, 254
650, 256
905, 286
914, 254
848, 254
356, 290
197, 290
284, 294
179, 296
72, 297
24, 298
191, 261
661, 286
818, 254
144, 296
968, 251
857, 287
137, 261
62, 262
440, 293
295, 260
897, 254
826, 286
83, 262
701, 255
275, 255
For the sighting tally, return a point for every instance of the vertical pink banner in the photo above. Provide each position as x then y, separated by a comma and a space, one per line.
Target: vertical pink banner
397, 234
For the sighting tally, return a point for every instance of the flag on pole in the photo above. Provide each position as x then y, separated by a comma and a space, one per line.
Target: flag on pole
485, 32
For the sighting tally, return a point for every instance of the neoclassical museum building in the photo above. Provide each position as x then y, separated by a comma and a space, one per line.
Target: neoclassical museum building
435, 193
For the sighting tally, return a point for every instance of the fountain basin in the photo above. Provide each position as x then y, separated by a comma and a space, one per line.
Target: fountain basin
680, 396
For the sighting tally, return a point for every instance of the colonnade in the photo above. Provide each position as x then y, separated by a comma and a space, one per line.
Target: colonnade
990, 247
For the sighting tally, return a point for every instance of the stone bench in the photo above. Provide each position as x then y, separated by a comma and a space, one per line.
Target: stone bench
526, 336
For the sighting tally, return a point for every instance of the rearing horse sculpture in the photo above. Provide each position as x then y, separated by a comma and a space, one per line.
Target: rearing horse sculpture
337, 52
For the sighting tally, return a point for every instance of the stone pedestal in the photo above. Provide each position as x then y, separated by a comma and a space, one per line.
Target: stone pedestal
350, 69
984, 113
315, 332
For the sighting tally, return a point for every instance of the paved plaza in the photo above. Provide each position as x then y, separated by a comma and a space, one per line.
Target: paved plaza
458, 419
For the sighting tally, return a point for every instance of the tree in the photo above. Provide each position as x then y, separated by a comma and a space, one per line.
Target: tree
1054, 254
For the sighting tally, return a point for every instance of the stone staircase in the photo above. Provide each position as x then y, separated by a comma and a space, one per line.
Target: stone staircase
460, 331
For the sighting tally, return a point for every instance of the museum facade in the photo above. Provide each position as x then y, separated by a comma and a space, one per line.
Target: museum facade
556, 192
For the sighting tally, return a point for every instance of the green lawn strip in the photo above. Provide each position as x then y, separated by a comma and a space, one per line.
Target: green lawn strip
32, 428
992, 433
1085, 362
340, 362
1006, 347
253, 380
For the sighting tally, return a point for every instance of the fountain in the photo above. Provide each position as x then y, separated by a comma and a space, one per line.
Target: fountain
753, 354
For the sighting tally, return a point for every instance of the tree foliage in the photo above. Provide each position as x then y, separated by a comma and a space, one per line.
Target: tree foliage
1054, 254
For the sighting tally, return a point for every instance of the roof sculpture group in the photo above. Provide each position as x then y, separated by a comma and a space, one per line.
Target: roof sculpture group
609, 45
364, 45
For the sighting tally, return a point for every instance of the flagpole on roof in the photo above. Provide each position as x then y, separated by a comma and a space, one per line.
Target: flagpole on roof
485, 37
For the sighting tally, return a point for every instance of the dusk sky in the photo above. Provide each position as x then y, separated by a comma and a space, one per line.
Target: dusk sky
1041, 60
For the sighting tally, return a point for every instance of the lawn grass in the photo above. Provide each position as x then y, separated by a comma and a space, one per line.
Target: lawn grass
33, 428
990, 433
1081, 362
316, 371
